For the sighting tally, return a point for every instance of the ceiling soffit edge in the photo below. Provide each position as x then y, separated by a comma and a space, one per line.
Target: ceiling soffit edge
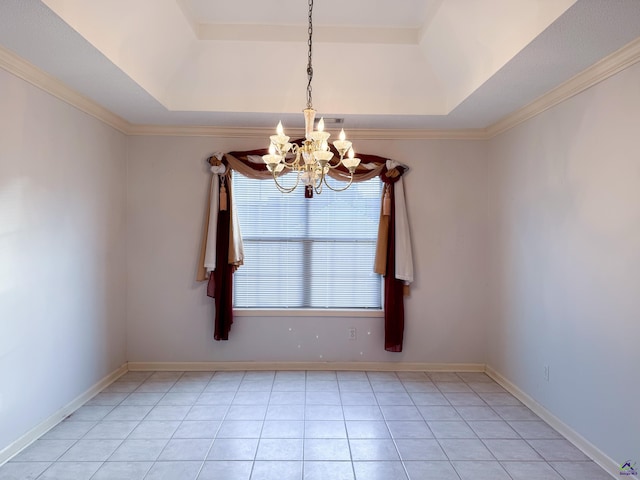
432, 11
295, 33
605, 68
188, 15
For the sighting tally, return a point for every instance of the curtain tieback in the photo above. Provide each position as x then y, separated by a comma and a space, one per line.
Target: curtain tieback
223, 197
218, 168
386, 202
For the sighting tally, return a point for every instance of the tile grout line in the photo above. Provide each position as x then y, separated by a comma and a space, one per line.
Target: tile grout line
215, 435
438, 440
393, 439
154, 406
493, 405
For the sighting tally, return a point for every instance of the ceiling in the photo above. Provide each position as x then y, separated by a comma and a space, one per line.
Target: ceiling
378, 64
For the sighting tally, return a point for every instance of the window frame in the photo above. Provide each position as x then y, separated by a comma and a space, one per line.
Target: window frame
355, 312
309, 312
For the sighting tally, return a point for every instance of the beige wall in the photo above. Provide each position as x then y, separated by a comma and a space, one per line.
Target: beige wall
170, 318
62, 254
564, 203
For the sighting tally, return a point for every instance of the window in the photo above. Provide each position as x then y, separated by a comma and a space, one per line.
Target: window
307, 253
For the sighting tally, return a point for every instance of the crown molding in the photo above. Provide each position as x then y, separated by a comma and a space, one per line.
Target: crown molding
605, 68
205, 131
599, 71
19, 67
417, 134
260, 132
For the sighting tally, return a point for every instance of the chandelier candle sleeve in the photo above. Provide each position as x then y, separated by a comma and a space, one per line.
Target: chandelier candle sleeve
309, 118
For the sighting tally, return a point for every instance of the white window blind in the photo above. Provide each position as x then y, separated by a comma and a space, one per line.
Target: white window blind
307, 253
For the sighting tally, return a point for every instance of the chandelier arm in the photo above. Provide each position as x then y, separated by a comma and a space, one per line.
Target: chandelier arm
338, 189
295, 161
284, 189
291, 164
334, 166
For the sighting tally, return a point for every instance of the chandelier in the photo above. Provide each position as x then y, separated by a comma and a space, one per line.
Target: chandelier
312, 160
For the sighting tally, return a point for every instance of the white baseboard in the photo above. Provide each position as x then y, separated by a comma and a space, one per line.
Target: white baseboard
342, 366
590, 450
43, 427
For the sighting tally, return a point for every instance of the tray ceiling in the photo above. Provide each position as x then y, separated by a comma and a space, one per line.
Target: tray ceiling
423, 64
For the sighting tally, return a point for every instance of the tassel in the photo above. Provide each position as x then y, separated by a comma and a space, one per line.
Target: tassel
386, 203
223, 198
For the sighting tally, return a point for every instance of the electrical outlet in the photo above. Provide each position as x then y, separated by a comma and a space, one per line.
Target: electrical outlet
351, 333
546, 372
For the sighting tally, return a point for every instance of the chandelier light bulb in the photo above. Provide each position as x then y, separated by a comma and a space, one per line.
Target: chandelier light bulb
321, 124
342, 136
352, 154
272, 149
279, 129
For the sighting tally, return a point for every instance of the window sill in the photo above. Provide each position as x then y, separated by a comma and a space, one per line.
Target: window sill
307, 312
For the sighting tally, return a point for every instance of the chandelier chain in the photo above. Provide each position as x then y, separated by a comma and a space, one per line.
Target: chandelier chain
309, 64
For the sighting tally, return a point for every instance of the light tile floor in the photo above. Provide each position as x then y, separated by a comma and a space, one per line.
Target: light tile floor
315, 425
